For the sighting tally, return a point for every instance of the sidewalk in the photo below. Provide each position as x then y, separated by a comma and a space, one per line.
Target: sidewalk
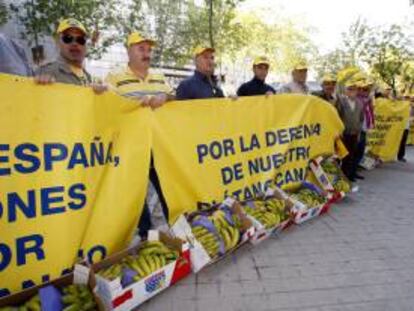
359, 257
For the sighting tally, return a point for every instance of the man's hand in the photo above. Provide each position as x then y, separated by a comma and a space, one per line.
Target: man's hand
153, 101
99, 88
268, 93
44, 79
234, 97
158, 100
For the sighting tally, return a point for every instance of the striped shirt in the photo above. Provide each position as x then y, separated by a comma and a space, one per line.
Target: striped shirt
127, 84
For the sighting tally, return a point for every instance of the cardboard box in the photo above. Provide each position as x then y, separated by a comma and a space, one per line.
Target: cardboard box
324, 181
369, 162
199, 256
261, 233
302, 212
77, 277
116, 297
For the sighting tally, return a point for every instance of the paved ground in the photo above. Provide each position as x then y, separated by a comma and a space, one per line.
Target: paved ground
359, 257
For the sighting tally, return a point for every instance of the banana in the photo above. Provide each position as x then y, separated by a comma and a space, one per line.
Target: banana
78, 297
135, 266
144, 265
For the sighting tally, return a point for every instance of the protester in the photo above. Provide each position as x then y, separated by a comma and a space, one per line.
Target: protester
257, 85
71, 42
203, 83
137, 81
298, 83
13, 59
352, 116
328, 89
365, 99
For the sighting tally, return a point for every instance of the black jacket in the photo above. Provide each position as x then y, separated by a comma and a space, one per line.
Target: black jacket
254, 87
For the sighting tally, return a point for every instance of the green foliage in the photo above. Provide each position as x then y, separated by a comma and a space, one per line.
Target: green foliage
283, 41
386, 52
40, 18
3, 13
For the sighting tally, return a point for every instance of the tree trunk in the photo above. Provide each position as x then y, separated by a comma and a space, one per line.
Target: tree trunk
210, 23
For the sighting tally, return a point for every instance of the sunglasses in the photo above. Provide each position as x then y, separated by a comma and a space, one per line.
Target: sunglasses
68, 39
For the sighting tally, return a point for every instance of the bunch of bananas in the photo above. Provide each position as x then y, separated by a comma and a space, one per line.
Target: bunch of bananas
222, 232
151, 256
308, 197
229, 233
341, 185
264, 215
330, 168
33, 304
277, 207
209, 240
335, 176
78, 298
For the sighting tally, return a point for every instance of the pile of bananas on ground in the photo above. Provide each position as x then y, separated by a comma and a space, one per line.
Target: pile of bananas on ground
335, 176
33, 304
218, 231
268, 217
151, 256
308, 197
78, 298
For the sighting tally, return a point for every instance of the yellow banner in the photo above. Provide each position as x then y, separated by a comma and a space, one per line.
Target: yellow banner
410, 139
207, 149
73, 177
391, 119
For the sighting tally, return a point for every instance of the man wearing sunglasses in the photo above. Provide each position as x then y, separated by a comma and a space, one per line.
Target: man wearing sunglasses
71, 41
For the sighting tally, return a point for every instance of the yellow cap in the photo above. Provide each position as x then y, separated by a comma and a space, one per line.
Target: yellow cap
347, 73
135, 37
201, 49
70, 23
351, 82
366, 82
261, 60
300, 65
329, 77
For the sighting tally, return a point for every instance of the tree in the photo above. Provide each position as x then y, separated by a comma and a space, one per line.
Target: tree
40, 18
350, 51
281, 39
194, 23
388, 52
3, 13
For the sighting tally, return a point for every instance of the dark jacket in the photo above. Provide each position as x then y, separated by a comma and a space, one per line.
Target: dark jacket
198, 86
254, 87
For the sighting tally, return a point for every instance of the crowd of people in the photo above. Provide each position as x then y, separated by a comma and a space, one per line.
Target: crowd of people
353, 101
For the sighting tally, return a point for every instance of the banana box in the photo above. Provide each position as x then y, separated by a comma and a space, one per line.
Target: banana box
287, 218
125, 292
309, 201
269, 214
330, 177
369, 162
50, 296
211, 232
